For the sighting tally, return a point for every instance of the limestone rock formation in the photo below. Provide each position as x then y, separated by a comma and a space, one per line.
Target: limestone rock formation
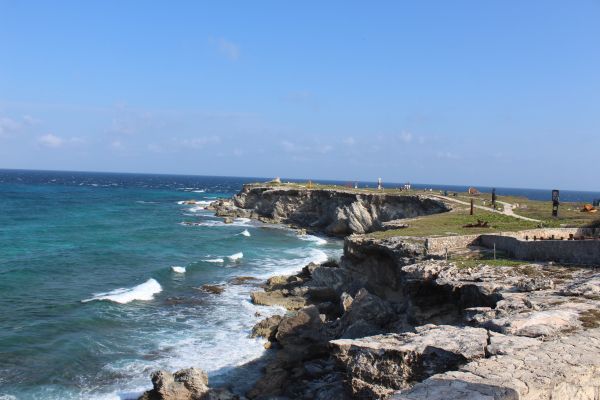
379, 364
335, 212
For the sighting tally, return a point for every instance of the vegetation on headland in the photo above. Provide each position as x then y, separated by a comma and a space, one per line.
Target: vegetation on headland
453, 223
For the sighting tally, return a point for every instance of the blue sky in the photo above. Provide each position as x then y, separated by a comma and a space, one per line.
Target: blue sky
494, 93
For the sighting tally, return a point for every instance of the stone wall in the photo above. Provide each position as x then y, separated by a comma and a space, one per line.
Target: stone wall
438, 245
563, 251
515, 244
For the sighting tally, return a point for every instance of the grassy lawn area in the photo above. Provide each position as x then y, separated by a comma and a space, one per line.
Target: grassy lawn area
568, 213
452, 223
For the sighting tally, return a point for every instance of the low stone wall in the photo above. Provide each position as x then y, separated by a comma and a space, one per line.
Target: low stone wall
516, 245
438, 245
585, 252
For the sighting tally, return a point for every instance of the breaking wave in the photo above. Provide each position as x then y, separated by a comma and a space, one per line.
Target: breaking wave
144, 291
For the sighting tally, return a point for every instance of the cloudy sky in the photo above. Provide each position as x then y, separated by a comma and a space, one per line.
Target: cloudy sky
494, 93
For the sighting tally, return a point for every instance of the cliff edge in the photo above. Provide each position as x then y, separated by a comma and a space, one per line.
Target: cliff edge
334, 212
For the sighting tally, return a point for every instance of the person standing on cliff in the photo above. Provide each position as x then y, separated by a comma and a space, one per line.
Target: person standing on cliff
379, 184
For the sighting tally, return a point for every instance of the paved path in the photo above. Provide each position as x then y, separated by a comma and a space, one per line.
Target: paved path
508, 208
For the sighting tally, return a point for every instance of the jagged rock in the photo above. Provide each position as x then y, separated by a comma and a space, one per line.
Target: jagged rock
335, 212
378, 364
536, 283
564, 369
228, 220
214, 289
589, 288
267, 328
277, 298
500, 344
302, 331
368, 308
186, 384
346, 301
242, 280
538, 323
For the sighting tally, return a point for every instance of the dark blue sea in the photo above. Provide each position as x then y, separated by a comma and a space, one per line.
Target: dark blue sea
100, 277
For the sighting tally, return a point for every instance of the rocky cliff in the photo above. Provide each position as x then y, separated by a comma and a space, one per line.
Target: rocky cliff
386, 322
334, 212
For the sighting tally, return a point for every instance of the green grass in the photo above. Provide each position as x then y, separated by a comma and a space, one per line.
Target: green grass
452, 223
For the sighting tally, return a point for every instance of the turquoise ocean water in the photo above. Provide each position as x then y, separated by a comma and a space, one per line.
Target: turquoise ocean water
89, 301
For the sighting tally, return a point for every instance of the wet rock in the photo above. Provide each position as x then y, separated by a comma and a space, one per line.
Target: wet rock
186, 384
214, 289
278, 298
267, 328
242, 280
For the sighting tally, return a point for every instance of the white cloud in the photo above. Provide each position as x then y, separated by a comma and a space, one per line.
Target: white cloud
324, 149
200, 142
406, 137
50, 140
349, 141
8, 126
447, 155
227, 48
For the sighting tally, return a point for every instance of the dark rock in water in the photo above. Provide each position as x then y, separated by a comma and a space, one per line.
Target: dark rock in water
214, 289
242, 280
278, 298
228, 220
267, 328
174, 301
186, 384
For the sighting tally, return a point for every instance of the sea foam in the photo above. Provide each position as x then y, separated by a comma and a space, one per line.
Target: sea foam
236, 256
178, 270
311, 238
214, 260
245, 233
144, 291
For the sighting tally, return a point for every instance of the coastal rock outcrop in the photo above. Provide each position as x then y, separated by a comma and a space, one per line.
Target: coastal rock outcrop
377, 365
334, 212
186, 384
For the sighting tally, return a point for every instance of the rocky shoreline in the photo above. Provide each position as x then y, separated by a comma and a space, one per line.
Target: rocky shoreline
333, 212
390, 322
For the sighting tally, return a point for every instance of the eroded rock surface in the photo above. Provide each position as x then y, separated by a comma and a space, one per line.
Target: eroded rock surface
335, 212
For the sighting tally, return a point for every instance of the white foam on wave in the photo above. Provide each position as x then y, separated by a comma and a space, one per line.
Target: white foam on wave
214, 260
199, 191
144, 291
245, 233
177, 269
236, 256
312, 238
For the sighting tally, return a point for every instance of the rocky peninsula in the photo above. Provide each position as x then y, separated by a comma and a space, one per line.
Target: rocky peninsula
390, 321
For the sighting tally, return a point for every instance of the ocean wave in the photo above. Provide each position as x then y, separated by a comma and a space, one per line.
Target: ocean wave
244, 233
312, 238
199, 191
146, 202
144, 291
177, 269
236, 256
214, 260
